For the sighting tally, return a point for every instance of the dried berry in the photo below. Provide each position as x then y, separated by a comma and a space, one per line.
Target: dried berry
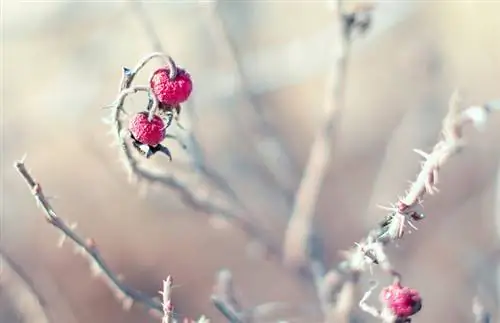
147, 132
402, 301
171, 92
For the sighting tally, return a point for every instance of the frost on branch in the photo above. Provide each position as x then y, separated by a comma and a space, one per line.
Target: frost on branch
408, 209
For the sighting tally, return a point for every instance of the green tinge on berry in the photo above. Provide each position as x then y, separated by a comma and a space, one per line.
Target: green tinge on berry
147, 132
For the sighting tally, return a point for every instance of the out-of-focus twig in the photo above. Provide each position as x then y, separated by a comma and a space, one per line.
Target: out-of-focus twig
298, 249
87, 248
224, 298
18, 287
497, 230
480, 314
226, 302
300, 225
265, 131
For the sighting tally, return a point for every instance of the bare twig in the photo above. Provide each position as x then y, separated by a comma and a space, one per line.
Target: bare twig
224, 298
300, 225
167, 307
87, 248
480, 314
299, 250
497, 231
265, 130
225, 310
26, 300
408, 209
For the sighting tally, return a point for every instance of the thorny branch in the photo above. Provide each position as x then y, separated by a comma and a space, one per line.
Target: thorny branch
167, 307
187, 192
99, 268
193, 146
370, 251
88, 249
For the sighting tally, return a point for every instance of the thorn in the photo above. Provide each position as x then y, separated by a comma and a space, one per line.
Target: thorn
422, 153
126, 71
77, 250
127, 303
61, 240
387, 208
166, 151
107, 120
435, 175
148, 152
95, 270
23, 158
412, 226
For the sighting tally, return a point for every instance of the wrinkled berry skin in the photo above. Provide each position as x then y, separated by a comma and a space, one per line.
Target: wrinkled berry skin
171, 92
402, 301
147, 132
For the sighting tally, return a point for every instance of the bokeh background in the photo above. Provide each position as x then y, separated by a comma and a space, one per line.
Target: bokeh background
61, 62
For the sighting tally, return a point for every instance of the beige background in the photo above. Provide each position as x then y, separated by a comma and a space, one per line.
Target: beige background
61, 63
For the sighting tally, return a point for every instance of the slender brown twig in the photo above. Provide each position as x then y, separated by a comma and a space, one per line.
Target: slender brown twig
87, 248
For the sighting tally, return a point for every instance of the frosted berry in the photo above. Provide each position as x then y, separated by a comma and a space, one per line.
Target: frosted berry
401, 301
171, 92
147, 132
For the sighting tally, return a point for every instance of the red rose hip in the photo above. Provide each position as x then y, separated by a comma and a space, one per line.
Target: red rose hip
401, 301
147, 132
171, 92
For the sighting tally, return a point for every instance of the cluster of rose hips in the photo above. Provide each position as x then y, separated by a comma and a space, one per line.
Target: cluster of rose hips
170, 89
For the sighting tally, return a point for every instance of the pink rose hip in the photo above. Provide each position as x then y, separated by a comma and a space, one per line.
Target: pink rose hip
147, 132
401, 301
171, 92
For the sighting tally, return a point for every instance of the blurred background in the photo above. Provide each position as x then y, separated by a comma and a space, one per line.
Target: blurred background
258, 99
